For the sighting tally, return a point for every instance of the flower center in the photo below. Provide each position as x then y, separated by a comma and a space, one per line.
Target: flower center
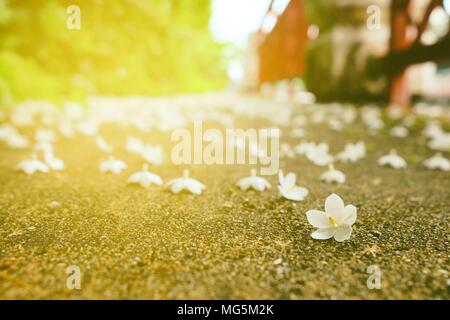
332, 221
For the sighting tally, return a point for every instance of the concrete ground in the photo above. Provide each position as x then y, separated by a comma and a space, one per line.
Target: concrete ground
133, 243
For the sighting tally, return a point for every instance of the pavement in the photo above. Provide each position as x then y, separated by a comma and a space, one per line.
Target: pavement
135, 243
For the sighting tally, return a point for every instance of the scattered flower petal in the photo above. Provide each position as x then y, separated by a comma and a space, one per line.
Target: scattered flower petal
288, 188
185, 183
145, 178
103, 145
437, 162
33, 165
112, 165
392, 159
333, 176
253, 182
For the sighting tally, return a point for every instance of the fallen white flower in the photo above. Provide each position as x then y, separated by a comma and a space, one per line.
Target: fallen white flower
336, 125
440, 142
333, 176
112, 165
6, 130
88, 127
17, 141
134, 145
298, 133
103, 145
287, 151
153, 154
352, 152
319, 155
32, 165
254, 182
336, 221
399, 132
44, 135
52, 162
185, 183
66, 129
432, 130
43, 146
304, 147
395, 112
12, 137
288, 188
393, 160
437, 162
145, 178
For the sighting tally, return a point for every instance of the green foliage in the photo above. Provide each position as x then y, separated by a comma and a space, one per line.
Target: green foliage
129, 47
327, 14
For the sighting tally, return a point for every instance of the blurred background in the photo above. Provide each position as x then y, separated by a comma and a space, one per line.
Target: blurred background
393, 52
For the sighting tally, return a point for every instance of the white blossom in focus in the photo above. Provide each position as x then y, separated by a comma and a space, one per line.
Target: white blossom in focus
336, 221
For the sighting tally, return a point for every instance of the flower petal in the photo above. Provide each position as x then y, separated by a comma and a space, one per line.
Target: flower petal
289, 180
317, 219
195, 188
343, 233
323, 234
348, 215
245, 183
334, 205
177, 186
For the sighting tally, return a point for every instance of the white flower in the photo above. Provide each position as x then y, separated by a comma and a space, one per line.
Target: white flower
304, 147
103, 145
437, 162
396, 112
286, 151
185, 183
254, 182
432, 130
288, 189
17, 141
298, 133
44, 135
319, 155
145, 178
7, 130
336, 125
43, 146
440, 142
52, 162
352, 152
134, 145
12, 137
88, 127
333, 176
32, 165
393, 160
112, 165
336, 221
153, 154
409, 121
399, 132
66, 129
